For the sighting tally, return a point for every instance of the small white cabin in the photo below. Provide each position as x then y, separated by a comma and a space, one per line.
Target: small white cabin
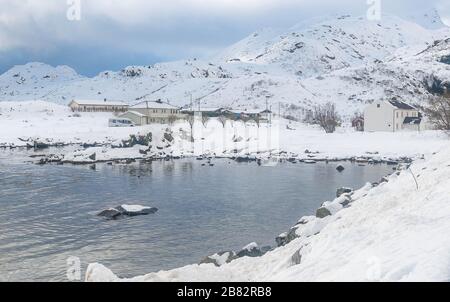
137, 118
392, 116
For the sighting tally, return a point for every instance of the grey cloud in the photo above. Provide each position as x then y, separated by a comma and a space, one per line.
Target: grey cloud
119, 33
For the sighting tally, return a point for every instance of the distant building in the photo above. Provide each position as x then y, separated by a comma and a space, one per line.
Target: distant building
392, 116
210, 112
98, 106
263, 116
153, 112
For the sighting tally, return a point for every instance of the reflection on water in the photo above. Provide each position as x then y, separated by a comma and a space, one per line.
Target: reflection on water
48, 213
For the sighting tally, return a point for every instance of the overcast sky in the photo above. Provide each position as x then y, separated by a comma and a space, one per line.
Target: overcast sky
112, 34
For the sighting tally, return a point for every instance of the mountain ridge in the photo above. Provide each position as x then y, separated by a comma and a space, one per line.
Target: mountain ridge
356, 60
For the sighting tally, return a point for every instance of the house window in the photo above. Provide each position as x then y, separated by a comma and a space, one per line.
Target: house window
378, 106
397, 114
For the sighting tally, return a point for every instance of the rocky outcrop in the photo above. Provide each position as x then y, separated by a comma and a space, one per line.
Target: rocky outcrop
251, 250
143, 140
220, 258
342, 191
323, 212
126, 210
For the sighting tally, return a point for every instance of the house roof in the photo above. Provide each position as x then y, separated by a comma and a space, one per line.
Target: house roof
153, 105
401, 105
99, 103
134, 112
212, 109
412, 120
250, 111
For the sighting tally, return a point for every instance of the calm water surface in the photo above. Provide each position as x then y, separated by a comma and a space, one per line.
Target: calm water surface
48, 213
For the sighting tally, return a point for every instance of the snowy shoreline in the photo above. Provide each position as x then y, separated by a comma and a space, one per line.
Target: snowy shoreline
386, 231
366, 220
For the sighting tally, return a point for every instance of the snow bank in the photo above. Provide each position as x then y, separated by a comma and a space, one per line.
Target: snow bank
393, 231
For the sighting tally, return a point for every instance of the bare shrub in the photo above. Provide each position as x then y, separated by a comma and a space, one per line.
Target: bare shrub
438, 112
223, 120
191, 120
326, 117
205, 120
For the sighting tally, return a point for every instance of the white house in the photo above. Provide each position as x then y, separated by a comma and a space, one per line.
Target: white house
392, 116
98, 106
153, 112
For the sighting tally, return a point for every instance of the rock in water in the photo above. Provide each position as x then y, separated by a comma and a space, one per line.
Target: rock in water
127, 210
340, 168
111, 213
136, 210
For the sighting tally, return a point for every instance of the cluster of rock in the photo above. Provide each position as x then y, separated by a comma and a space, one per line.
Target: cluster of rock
126, 210
250, 250
313, 157
306, 227
48, 159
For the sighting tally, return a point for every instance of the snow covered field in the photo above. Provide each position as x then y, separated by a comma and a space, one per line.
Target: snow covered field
395, 231
36, 120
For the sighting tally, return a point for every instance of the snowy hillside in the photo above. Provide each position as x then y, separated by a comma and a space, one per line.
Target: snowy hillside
392, 231
346, 60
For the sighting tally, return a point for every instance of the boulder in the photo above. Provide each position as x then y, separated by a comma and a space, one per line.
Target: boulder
251, 250
219, 259
136, 210
323, 212
266, 249
111, 213
342, 191
143, 140
340, 168
127, 210
281, 239
291, 235
168, 137
383, 180
93, 157
345, 200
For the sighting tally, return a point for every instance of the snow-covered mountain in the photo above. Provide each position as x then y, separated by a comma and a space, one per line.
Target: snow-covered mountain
347, 60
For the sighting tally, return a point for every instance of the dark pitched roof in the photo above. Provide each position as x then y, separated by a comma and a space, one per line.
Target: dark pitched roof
401, 105
412, 120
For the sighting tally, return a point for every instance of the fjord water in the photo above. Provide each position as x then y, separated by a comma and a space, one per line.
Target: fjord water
48, 213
